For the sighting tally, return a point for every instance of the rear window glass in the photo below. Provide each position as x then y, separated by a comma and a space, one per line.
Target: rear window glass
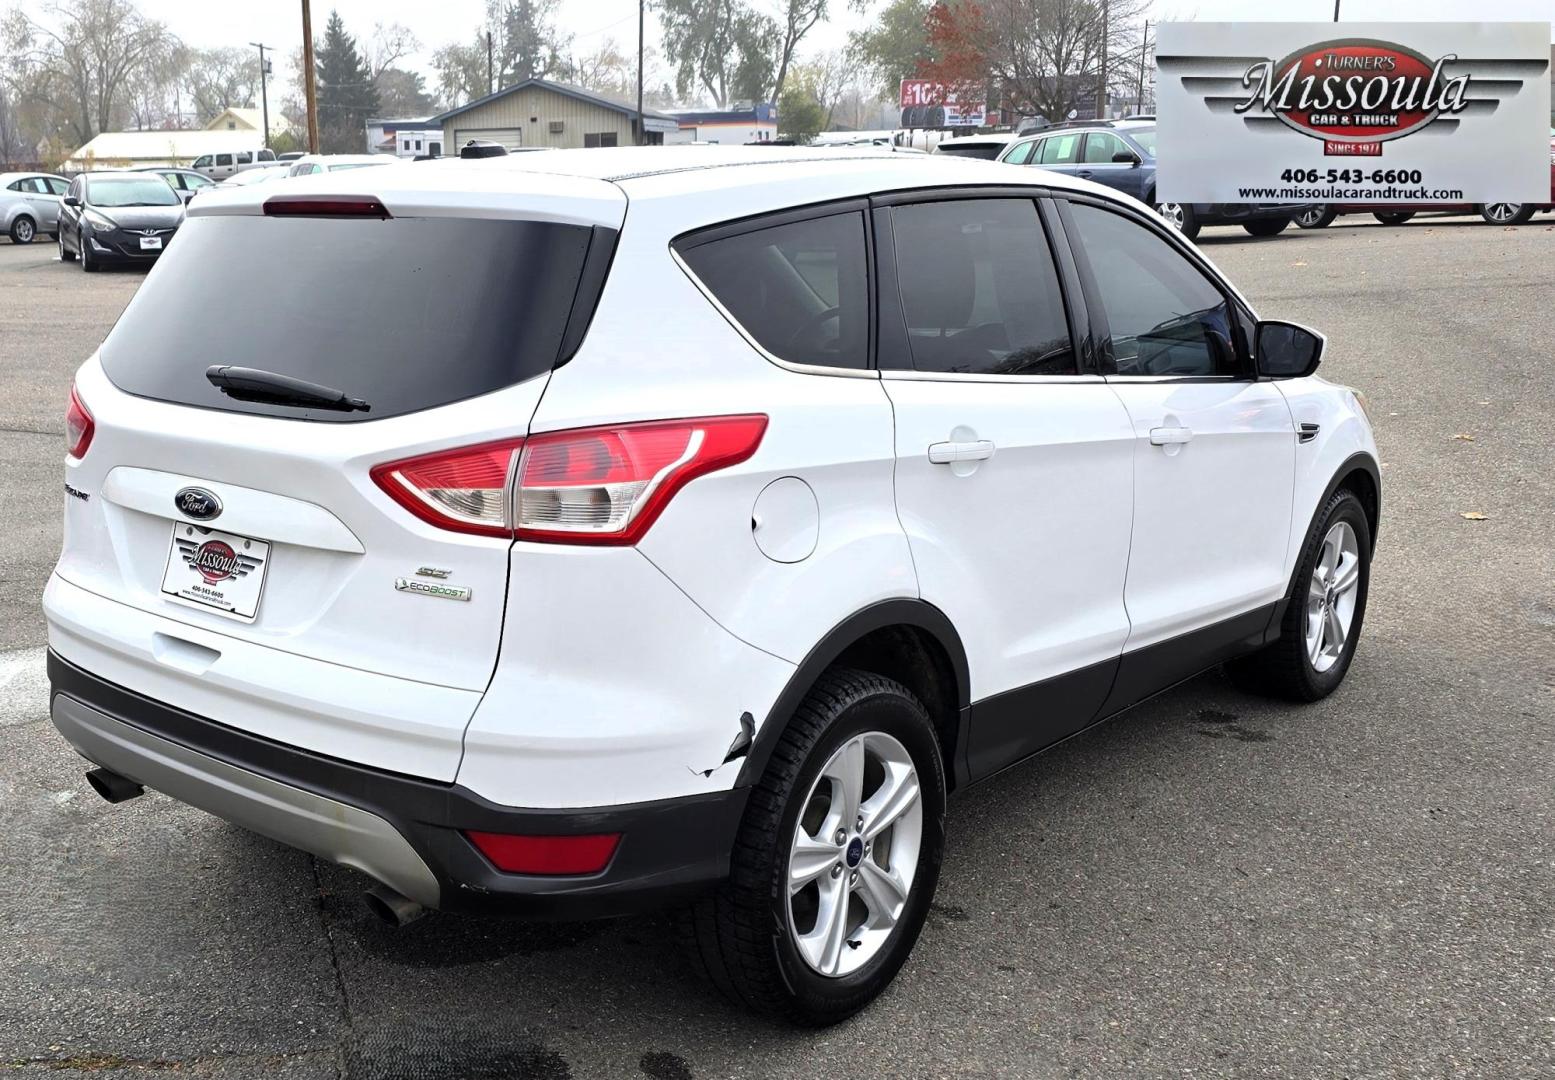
407, 314
801, 290
986, 151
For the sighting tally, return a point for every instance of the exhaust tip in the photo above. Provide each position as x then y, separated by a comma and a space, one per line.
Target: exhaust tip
113, 787
391, 907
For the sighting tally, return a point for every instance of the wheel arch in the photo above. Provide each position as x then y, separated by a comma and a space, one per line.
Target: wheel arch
1358, 473
906, 639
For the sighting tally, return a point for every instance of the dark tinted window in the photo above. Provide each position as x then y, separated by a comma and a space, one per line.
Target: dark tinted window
224, 159
986, 151
267, 155
1164, 315
245, 158
407, 314
801, 290
979, 290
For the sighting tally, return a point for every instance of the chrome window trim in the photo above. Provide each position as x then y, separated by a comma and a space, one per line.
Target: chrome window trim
771, 358
986, 377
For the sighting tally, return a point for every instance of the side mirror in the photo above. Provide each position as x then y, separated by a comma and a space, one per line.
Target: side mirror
1123, 157
71, 200
1286, 350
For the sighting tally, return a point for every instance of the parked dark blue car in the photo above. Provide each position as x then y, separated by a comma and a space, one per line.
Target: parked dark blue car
1121, 155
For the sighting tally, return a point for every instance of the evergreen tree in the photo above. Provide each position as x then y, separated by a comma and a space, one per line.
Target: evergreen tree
346, 96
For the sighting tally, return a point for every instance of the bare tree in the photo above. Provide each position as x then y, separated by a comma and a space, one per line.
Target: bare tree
799, 19
87, 51
1046, 54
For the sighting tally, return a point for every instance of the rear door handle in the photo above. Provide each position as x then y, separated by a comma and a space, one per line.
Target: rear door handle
1170, 436
946, 453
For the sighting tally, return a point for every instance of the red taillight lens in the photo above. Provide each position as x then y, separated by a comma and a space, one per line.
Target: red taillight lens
553, 855
323, 206
465, 490
602, 485
607, 485
79, 426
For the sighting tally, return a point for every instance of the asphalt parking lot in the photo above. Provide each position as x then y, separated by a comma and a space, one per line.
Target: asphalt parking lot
1209, 886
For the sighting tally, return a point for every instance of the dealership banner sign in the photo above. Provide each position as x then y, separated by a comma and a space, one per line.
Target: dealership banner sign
929, 104
1353, 112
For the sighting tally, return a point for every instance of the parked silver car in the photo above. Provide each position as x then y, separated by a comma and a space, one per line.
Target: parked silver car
29, 204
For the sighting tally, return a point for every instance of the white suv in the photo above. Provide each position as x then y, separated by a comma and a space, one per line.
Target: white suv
680, 526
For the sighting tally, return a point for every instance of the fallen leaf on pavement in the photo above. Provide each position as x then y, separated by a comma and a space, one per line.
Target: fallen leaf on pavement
1474, 515
1464, 436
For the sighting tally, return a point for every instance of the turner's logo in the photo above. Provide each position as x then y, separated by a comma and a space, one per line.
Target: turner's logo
1358, 92
1355, 94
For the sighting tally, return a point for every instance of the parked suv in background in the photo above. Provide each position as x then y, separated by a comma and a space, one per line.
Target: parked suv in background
737, 506
29, 204
1121, 155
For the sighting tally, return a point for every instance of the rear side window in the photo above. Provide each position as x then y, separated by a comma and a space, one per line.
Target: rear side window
1060, 150
407, 314
979, 290
1021, 155
800, 289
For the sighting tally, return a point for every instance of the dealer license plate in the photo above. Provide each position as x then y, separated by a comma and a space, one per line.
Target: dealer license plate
216, 569
151, 243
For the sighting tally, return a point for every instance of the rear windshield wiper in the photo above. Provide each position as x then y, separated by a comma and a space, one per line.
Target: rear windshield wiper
256, 384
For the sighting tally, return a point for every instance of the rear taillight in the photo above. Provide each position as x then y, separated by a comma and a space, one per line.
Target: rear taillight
465, 490
546, 854
603, 485
607, 485
79, 426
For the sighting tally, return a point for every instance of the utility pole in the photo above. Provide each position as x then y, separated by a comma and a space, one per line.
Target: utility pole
264, 94
1101, 91
491, 84
1336, 10
309, 90
1144, 48
641, 135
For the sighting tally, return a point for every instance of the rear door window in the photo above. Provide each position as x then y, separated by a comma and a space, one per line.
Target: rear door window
407, 314
223, 159
800, 289
979, 289
1060, 149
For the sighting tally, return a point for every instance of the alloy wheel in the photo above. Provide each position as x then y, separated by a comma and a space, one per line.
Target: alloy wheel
1331, 596
1502, 212
24, 231
1310, 216
854, 854
1173, 214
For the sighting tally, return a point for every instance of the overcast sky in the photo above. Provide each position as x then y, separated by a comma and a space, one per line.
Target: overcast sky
279, 23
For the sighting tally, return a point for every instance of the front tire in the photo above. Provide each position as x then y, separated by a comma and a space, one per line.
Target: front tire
23, 229
65, 255
835, 863
1324, 612
1180, 216
1394, 218
88, 264
1506, 213
1266, 226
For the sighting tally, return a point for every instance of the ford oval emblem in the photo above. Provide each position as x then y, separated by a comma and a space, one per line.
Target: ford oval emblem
197, 503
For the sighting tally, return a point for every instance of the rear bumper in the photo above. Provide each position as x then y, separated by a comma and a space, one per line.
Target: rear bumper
403, 831
1225, 213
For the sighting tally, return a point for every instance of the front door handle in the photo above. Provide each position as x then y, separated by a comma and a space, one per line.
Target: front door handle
948, 453
1170, 436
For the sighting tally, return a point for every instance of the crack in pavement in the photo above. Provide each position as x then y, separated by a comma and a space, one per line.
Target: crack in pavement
334, 965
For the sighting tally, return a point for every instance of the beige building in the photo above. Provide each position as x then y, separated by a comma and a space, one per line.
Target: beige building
241, 119
537, 112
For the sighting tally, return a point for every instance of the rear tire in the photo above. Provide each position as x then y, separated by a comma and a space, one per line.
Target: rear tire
749, 937
23, 230
1266, 226
1180, 216
1506, 213
1394, 218
1318, 216
1298, 667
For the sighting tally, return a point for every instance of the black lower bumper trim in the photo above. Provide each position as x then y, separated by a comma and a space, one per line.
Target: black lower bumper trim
670, 849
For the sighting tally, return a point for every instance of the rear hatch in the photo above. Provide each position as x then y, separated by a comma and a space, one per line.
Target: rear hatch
260, 520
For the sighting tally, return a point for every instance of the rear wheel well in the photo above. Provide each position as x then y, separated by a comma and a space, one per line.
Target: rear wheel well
913, 657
